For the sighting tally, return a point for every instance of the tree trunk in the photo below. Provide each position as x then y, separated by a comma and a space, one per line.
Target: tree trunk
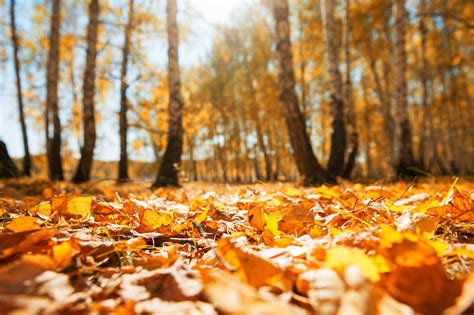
384, 100
53, 145
428, 147
367, 128
16, 48
193, 162
222, 156
305, 159
348, 99
273, 147
456, 126
168, 174
256, 166
75, 120
424, 144
338, 132
8, 168
263, 148
304, 98
123, 163
389, 124
258, 129
87, 153
403, 130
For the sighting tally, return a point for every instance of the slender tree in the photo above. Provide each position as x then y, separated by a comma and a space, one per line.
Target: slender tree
123, 163
308, 165
53, 145
16, 49
348, 97
428, 148
367, 127
338, 132
87, 151
403, 130
168, 173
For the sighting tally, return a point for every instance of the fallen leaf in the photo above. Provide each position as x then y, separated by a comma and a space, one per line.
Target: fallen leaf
42, 209
79, 207
249, 267
22, 224
339, 258
63, 254
14, 276
27, 241
153, 220
417, 277
230, 296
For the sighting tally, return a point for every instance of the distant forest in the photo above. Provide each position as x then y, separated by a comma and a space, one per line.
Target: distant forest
290, 89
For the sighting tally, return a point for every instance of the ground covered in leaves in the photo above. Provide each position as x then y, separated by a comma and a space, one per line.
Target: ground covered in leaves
401, 248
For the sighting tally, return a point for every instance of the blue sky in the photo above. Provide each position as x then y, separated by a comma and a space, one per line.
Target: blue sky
205, 14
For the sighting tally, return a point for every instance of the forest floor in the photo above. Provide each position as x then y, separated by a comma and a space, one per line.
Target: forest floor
393, 248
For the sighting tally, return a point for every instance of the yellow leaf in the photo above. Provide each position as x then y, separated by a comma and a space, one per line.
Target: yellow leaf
62, 254
21, 224
137, 145
43, 209
327, 192
439, 246
340, 257
271, 223
203, 215
80, 207
381, 263
316, 231
152, 220
449, 193
334, 231
136, 243
389, 236
401, 208
423, 207
463, 252
292, 192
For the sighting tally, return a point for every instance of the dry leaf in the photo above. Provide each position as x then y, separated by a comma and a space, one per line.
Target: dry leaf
22, 224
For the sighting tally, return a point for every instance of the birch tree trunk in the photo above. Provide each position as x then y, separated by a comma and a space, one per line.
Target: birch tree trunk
338, 132
259, 131
458, 128
123, 162
16, 49
429, 155
305, 159
169, 169
348, 98
87, 152
367, 128
53, 145
403, 130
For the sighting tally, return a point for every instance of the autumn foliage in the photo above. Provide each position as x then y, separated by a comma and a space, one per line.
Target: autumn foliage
259, 249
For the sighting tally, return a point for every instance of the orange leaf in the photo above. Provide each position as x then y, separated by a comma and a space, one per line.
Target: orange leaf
63, 254
251, 268
256, 217
21, 224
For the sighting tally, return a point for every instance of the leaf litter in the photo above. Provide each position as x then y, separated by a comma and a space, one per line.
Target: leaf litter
226, 249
